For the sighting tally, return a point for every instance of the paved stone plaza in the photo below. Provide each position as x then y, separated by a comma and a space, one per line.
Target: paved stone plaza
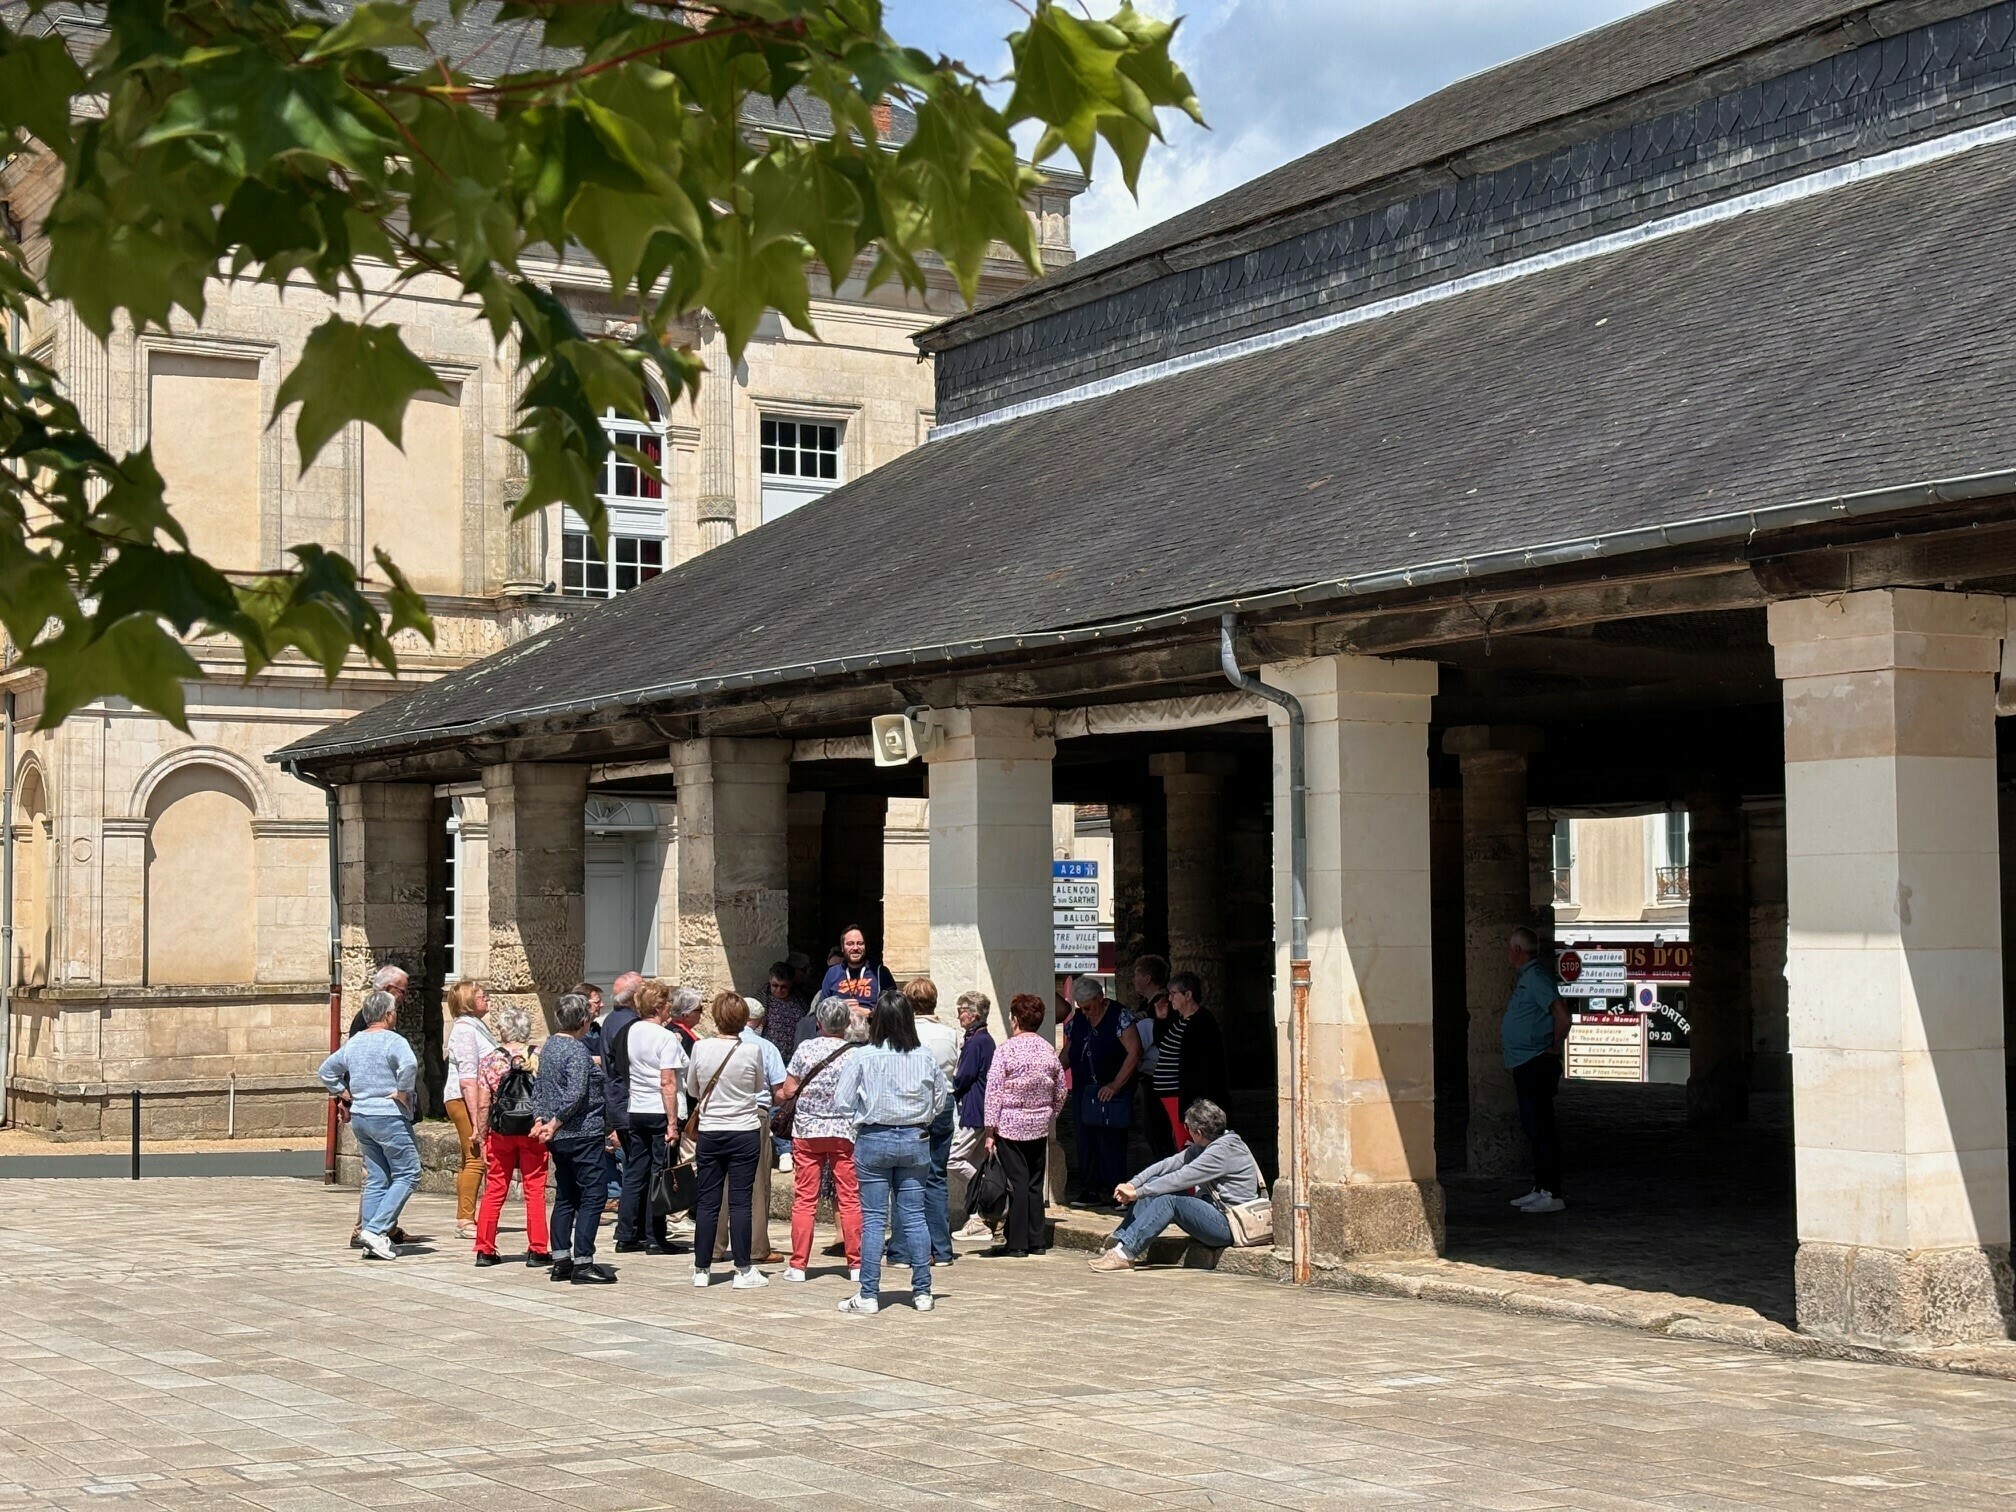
206, 1343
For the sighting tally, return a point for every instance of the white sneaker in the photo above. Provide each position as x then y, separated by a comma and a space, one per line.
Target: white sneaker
784, 1161
792, 1273
749, 1280
377, 1245
976, 1228
854, 1274
867, 1307
924, 1301
702, 1278
1529, 1199
1548, 1203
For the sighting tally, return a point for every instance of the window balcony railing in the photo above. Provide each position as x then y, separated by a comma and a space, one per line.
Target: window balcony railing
1564, 884
1669, 885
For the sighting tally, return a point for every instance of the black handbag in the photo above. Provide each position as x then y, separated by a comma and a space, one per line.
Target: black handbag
674, 1190
988, 1195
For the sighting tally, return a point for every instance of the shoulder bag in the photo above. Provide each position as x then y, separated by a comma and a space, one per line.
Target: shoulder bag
676, 1188
786, 1112
1251, 1222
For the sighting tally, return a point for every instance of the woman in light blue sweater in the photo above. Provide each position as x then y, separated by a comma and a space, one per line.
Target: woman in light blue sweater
372, 1078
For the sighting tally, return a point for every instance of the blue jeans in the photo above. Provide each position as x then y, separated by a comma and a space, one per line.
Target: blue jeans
577, 1196
1200, 1219
937, 1196
391, 1168
892, 1164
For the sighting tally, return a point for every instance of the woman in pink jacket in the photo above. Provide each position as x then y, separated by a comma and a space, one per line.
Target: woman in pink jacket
1025, 1093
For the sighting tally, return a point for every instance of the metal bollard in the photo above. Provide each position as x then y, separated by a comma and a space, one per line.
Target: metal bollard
136, 1133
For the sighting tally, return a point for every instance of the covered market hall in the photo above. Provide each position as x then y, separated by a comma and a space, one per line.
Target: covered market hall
1626, 430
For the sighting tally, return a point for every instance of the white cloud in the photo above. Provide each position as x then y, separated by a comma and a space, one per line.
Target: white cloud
1279, 78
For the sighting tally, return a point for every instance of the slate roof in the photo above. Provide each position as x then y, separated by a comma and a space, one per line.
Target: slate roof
1848, 342
1664, 43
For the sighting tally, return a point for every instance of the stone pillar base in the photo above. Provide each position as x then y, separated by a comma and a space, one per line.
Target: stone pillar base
1494, 1144
1904, 1297
1348, 1220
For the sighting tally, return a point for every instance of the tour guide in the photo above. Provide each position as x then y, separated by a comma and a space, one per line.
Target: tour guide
854, 975
1532, 1033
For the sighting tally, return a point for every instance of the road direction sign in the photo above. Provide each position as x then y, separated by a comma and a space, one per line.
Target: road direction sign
1075, 918
1077, 942
1075, 965
1076, 869
1074, 894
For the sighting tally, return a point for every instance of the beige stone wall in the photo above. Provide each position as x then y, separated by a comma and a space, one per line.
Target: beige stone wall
172, 899
1610, 870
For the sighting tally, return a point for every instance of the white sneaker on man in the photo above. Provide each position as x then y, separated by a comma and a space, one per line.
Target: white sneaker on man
702, 1278
924, 1301
1529, 1199
866, 1307
792, 1273
377, 1246
1548, 1203
976, 1228
748, 1279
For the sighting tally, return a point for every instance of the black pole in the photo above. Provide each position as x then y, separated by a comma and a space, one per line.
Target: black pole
136, 1133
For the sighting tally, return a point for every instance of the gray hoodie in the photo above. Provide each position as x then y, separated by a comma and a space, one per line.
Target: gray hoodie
1223, 1172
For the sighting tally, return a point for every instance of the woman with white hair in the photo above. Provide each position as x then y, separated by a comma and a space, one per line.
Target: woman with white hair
508, 1146
822, 1137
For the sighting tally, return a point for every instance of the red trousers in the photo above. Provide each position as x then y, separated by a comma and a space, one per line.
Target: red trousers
503, 1154
1176, 1125
808, 1158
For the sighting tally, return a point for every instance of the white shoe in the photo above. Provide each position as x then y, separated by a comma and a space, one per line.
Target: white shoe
792, 1273
784, 1162
1529, 1199
377, 1245
749, 1280
924, 1301
1548, 1203
867, 1307
976, 1228
854, 1274
702, 1278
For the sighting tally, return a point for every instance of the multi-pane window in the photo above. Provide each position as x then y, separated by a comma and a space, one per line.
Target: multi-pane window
635, 504
451, 950
801, 460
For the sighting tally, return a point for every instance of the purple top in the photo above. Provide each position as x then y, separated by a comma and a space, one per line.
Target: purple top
1025, 1088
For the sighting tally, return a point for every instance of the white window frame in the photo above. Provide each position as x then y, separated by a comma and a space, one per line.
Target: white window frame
632, 518
782, 492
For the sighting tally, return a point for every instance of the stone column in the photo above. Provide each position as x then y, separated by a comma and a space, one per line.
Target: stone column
1718, 999
852, 860
1193, 786
716, 513
1895, 964
1764, 868
1497, 898
1367, 1068
989, 778
381, 890
734, 860
906, 888
538, 922
1130, 892
472, 890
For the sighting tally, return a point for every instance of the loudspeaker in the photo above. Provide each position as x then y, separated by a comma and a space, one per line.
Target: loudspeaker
895, 738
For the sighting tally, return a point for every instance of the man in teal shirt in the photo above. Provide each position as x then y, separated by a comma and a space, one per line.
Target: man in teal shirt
1532, 1032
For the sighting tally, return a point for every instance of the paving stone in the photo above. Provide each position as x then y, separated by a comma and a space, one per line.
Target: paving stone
279, 1371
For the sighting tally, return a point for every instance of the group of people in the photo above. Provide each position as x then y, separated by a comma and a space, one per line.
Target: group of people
867, 1094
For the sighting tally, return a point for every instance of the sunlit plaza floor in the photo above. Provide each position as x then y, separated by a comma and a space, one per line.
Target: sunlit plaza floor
213, 1342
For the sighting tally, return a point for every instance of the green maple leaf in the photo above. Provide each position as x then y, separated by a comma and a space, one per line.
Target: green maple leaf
352, 372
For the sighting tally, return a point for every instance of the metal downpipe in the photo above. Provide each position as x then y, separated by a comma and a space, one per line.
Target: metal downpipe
293, 769
1298, 939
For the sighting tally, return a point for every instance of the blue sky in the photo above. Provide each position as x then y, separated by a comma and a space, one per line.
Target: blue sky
1276, 77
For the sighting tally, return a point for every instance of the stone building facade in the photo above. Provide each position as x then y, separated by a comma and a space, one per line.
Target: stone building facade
172, 906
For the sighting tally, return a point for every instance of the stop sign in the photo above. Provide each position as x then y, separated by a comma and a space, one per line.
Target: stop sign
1569, 966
